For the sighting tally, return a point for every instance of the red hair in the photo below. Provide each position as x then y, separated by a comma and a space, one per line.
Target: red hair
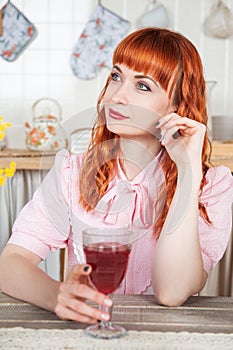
168, 57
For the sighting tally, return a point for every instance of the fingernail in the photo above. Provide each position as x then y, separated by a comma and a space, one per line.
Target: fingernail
105, 317
157, 124
159, 137
108, 302
176, 134
86, 268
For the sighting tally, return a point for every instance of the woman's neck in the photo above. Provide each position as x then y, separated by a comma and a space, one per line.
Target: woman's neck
137, 154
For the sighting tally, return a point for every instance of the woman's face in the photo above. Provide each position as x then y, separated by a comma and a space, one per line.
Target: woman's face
133, 102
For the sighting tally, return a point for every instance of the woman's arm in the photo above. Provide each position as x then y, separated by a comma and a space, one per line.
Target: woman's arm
21, 277
177, 269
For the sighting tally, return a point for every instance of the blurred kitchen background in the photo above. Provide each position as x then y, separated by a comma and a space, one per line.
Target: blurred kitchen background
43, 69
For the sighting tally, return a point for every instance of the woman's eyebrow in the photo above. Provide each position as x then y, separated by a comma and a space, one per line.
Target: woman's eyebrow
137, 76
118, 68
141, 76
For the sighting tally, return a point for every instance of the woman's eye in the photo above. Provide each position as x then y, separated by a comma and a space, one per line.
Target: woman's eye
143, 86
115, 76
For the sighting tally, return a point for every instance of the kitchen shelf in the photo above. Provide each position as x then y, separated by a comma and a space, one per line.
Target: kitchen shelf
26, 159
222, 154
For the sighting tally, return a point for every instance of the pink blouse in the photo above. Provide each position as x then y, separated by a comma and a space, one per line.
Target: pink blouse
54, 219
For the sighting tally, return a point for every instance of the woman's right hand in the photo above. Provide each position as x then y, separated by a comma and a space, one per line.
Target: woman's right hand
73, 293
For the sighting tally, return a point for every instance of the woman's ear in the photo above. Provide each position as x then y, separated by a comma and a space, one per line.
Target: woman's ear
174, 109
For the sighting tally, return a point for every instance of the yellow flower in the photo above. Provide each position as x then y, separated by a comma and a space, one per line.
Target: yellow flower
10, 171
7, 172
2, 180
12, 164
2, 135
3, 127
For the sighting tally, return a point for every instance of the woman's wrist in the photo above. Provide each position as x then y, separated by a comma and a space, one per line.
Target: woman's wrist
190, 177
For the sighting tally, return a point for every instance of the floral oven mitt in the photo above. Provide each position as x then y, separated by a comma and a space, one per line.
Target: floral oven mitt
17, 32
95, 46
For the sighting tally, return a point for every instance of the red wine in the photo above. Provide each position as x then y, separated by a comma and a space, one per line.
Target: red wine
109, 263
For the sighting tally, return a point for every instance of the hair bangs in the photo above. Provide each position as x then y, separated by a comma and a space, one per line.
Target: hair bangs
150, 54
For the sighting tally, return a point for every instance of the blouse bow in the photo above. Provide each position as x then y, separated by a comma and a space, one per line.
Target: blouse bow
127, 203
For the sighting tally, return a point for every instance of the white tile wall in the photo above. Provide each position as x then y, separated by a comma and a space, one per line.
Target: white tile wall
43, 69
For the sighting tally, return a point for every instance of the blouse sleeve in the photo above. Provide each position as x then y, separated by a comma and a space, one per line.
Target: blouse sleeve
217, 197
43, 223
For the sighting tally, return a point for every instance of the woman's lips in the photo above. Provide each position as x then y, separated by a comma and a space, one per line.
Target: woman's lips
116, 115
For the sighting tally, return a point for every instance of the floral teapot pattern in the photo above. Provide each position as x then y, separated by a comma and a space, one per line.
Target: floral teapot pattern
46, 132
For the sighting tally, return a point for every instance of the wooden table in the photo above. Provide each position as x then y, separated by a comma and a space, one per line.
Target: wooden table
135, 312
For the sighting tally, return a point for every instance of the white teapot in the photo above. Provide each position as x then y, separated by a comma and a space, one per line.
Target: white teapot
46, 132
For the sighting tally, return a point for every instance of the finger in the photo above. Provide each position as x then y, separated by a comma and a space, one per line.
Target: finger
176, 134
171, 124
78, 272
184, 131
68, 314
167, 118
173, 119
80, 307
79, 290
179, 126
170, 135
184, 122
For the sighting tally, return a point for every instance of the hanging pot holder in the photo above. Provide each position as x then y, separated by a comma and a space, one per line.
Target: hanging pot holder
95, 46
17, 33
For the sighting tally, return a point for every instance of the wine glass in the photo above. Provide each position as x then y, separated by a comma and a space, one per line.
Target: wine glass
107, 251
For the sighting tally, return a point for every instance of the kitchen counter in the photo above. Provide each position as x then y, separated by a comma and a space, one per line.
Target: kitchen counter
222, 154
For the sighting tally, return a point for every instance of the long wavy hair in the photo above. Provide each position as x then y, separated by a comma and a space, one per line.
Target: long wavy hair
168, 57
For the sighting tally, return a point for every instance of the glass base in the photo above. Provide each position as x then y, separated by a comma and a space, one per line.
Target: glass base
106, 330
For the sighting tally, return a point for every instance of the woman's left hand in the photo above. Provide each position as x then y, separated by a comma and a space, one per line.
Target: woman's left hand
183, 139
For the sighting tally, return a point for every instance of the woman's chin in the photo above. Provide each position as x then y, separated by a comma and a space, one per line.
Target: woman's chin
124, 130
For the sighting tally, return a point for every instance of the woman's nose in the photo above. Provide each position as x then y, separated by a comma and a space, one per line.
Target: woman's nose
121, 96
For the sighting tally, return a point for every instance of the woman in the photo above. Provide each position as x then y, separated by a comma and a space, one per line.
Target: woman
147, 168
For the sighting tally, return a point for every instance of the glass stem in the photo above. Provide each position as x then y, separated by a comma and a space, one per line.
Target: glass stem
108, 310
